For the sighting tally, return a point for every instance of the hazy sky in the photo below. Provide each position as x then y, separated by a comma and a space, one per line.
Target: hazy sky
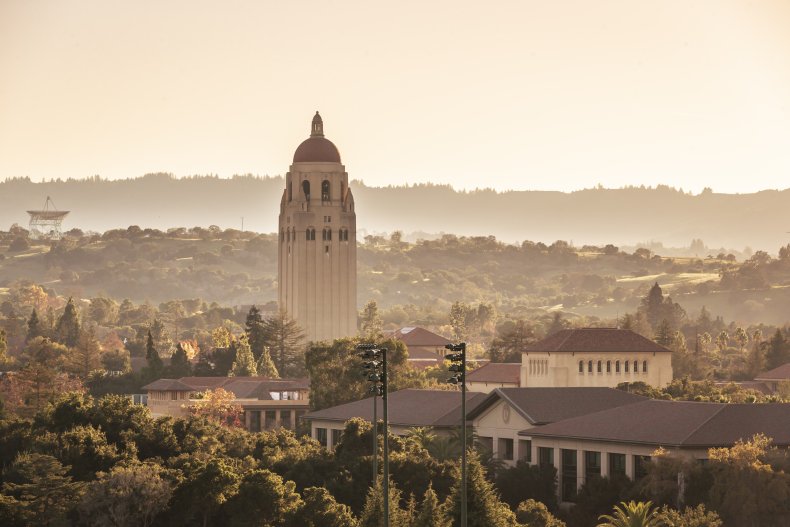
512, 95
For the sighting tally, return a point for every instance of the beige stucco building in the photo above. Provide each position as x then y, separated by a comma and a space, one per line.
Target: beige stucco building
317, 264
595, 357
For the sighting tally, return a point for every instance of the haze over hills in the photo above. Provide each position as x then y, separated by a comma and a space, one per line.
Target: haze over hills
594, 216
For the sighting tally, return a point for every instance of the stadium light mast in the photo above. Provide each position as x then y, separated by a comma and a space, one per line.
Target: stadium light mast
458, 367
375, 367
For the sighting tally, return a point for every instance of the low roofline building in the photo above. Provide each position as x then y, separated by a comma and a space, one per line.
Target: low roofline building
494, 375
773, 378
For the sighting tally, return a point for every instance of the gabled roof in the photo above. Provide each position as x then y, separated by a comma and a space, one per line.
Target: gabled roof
170, 385
417, 336
681, 424
242, 387
410, 407
503, 372
549, 405
597, 340
782, 373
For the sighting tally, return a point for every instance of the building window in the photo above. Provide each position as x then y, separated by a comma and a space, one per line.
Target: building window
568, 475
625, 364
589, 366
306, 189
599, 367
173, 396
525, 450
640, 466
325, 190
644, 366
320, 435
505, 449
487, 443
636, 366
592, 465
616, 465
608, 366
336, 435
285, 419
617, 366
327, 235
581, 366
326, 249
255, 421
290, 191
545, 456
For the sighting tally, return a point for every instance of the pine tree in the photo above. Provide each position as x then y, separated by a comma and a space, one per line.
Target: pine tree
778, 352
284, 338
68, 328
152, 357
255, 332
85, 356
371, 323
266, 367
664, 334
179, 363
373, 512
33, 327
484, 509
244, 363
431, 513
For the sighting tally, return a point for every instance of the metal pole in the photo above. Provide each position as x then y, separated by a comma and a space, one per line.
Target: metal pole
463, 432
386, 442
375, 434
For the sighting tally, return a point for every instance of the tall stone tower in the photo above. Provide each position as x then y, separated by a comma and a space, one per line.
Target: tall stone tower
317, 266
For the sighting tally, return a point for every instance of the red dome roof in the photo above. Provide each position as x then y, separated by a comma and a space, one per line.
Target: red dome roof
317, 148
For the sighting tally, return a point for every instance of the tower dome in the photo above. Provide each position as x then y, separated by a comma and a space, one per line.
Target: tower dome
317, 148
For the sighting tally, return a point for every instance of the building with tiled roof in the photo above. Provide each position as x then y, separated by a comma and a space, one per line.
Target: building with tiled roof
267, 403
505, 412
494, 375
595, 357
407, 409
773, 378
621, 440
426, 348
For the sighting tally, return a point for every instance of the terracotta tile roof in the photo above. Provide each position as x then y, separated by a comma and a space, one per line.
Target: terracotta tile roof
241, 387
504, 372
680, 424
438, 408
596, 340
782, 373
549, 405
417, 336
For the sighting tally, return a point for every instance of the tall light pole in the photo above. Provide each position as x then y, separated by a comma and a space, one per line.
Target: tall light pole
375, 366
458, 367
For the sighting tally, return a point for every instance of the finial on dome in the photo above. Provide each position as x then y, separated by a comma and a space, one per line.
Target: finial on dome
318, 126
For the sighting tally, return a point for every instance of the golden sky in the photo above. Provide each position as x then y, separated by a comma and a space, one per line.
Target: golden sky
557, 94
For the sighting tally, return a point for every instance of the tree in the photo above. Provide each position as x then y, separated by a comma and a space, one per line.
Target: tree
525, 481
263, 499
778, 351
266, 367
459, 313
154, 362
127, 496
244, 363
483, 506
664, 335
179, 363
41, 489
204, 491
162, 341
741, 338
33, 327
431, 514
255, 333
319, 509
116, 360
373, 512
511, 343
632, 514
4, 359
219, 406
103, 311
371, 324
85, 356
68, 327
557, 323
722, 340
690, 517
284, 338
43, 362
533, 513
656, 308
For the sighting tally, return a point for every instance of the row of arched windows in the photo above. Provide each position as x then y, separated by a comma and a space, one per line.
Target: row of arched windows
598, 366
326, 190
289, 234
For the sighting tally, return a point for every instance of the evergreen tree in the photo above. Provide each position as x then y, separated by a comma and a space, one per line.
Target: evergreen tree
431, 513
484, 509
68, 328
458, 315
531, 513
244, 363
85, 356
152, 358
255, 332
33, 327
284, 338
557, 324
371, 323
319, 509
263, 498
664, 335
778, 351
3, 348
179, 363
266, 367
373, 512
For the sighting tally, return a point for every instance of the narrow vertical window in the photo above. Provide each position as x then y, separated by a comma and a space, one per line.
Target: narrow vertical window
589, 366
644, 366
608, 366
599, 367
581, 366
325, 190
617, 366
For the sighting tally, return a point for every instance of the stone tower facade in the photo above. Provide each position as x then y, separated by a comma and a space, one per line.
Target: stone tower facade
317, 265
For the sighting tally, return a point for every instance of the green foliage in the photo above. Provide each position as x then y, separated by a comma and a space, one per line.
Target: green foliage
179, 364
632, 514
244, 363
34, 328
319, 509
67, 330
690, 517
284, 338
525, 481
531, 513
373, 512
431, 513
85, 356
154, 366
778, 351
596, 497
370, 321
484, 509
512, 340
253, 326
205, 489
263, 498
266, 367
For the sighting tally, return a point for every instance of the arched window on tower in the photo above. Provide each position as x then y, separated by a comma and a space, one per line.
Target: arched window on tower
327, 235
290, 191
325, 190
309, 234
306, 189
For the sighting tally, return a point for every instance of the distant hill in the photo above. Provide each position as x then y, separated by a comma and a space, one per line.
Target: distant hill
596, 216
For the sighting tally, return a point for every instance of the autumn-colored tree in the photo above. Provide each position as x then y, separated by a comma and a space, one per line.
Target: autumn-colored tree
219, 406
68, 327
85, 356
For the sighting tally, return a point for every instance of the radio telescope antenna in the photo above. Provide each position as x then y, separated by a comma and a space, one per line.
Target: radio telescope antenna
45, 223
